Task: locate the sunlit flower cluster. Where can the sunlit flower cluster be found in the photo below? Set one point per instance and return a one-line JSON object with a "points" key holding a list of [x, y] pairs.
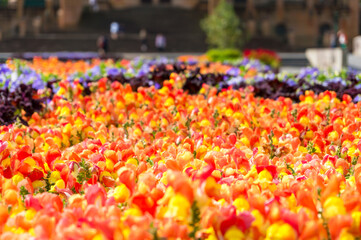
{"points": [[161, 163]]}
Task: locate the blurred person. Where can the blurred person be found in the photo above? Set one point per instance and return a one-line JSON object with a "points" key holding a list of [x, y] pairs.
{"points": [[342, 41], [291, 38], [102, 44], [342, 38], [143, 40], [333, 39], [94, 5], [114, 30], [326, 39], [160, 42], [121, 30], [37, 22]]}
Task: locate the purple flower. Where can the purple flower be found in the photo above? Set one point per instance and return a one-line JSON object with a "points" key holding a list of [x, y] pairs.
{"points": [[258, 79], [38, 84], [245, 61], [233, 72], [235, 81], [270, 76], [291, 83], [357, 98], [157, 85]]}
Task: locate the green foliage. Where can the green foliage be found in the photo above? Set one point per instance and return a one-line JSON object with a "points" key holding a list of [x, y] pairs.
{"points": [[196, 217], [47, 183], [84, 172], [222, 27], [310, 148], [154, 231], [272, 147], [351, 171], [23, 193], [128, 125], [150, 161], [328, 109], [291, 169], [221, 55], [294, 114], [215, 117]]}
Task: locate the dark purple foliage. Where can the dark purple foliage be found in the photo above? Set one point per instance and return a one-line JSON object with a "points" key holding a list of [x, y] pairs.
{"points": [[22, 99]]}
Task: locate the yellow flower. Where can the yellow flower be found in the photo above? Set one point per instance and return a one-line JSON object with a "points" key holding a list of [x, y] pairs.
{"points": [[304, 121], [258, 219], [132, 161], [163, 91], [280, 231], [133, 211], [60, 183], [17, 178], [121, 193], [346, 235], [356, 220], [186, 156], [129, 98], [109, 165], [178, 207], [333, 136], [54, 177], [99, 237], [241, 204], [65, 111], [30, 214], [137, 132], [67, 129], [205, 123], [169, 102], [265, 175], [212, 234], [229, 112], [245, 141], [6, 162], [333, 206], [38, 184], [211, 186], [234, 233], [308, 99]]}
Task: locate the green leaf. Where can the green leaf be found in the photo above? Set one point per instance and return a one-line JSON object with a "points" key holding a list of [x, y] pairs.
{"points": [[222, 27], [84, 173], [196, 217]]}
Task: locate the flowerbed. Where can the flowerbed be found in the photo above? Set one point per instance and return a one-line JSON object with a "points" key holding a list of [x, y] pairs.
{"points": [[146, 150]]}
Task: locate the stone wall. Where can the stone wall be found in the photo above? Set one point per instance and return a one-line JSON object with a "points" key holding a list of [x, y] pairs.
{"points": [[69, 13], [119, 4], [304, 26], [124, 3]]}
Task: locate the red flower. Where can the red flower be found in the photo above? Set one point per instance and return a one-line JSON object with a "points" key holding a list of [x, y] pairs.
{"points": [[243, 220], [51, 156], [95, 194]]}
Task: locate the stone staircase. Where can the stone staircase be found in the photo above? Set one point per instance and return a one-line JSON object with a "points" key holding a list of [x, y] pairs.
{"points": [[180, 26], [6, 21]]}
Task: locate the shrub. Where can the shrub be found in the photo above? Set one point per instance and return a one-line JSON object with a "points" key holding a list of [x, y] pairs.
{"points": [[266, 56], [222, 27], [222, 55]]}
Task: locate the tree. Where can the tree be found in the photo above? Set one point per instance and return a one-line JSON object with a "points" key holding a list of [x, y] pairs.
{"points": [[222, 27]]}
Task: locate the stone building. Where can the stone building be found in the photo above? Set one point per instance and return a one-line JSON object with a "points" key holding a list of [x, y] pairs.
{"points": [[297, 23], [300, 23]]}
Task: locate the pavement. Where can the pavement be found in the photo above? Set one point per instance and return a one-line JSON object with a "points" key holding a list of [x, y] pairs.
{"points": [[290, 62], [354, 61]]}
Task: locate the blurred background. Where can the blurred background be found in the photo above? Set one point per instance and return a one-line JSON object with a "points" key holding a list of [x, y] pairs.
{"points": [[69, 25]]}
